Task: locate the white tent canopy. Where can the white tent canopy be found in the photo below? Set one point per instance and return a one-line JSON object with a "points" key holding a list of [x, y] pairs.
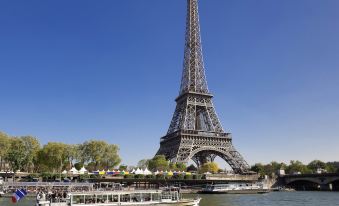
{"points": [[147, 172], [74, 171], [139, 172], [83, 170]]}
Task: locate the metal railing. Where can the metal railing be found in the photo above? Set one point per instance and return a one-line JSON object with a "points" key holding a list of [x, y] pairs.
{"points": [[46, 184]]}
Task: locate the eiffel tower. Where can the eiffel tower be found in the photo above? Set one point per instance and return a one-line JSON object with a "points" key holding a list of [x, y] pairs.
{"points": [[195, 131]]}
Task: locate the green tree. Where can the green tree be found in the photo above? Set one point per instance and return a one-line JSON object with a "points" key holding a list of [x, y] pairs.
{"points": [[123, 167], [272, 168], [276, 166], [40, 165], [91, 166], [330, 168], [16, 154], [4, 147], [78, 165], [177, 166], [172, 166], [192, 168], [93, 151], [315, 165], [32, 147], [111, 157], [297, 166], [181, 166], [259, 168], [72, 154], [159, 162], [54, 156], [283, 166], [143, 163], [211, 167], [102, 154]]}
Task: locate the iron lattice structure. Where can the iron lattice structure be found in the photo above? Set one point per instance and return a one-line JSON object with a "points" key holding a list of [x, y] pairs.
{"points": [[195, 131]]}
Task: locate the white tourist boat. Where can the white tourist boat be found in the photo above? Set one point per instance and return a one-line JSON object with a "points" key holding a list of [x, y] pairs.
{"points": [[121, 197], [236, 188]]}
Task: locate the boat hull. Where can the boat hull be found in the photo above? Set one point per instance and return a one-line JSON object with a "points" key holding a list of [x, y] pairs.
{"points": [[174, 203], [181, 203]]}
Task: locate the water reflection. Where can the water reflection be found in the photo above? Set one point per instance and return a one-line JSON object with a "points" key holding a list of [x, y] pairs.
{"points": [[270, 199], [273, 199]]}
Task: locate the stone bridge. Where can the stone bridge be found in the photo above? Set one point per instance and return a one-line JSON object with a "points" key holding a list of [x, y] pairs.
{"points": [[326, 181]]}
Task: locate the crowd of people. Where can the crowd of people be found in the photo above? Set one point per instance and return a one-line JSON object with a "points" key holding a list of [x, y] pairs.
{"points": [[54, 195]]}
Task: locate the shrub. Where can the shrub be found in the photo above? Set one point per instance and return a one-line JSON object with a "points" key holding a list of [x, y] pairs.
{"points": [[150, 177], [160, 177], [34, 175], [129, 176], [179, 177], [139, 176], [94, 176], [84, 176], [46, 176]]}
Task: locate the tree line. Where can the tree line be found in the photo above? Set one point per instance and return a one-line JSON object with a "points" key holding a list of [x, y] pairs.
{"points": [[25, 153], [159, 163], [296, 166]]}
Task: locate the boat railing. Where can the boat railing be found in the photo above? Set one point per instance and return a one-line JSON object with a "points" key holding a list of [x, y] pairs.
{"points": [[47, 184], [170, 195]]}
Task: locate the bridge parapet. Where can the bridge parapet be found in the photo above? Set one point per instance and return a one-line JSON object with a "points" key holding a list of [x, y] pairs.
{"points": [[321, 179]]}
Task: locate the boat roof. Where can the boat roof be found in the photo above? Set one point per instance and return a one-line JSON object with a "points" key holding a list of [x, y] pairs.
{"points": [[115, 192]]}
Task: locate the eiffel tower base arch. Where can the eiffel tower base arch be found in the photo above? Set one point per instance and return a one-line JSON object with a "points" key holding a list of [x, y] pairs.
{"points": [[202, 149]]}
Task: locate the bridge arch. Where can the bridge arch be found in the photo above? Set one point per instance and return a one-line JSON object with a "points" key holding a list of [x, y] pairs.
{"points": [[336, 179], [304, 184]]}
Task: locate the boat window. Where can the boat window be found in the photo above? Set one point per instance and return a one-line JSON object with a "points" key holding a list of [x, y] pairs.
{"points": [[146, 197], [89, 199], [174, 195], [113, 198], [168, 195], [101, 198], [136, 197], [155, 196], [125, 198], [76, 199]]}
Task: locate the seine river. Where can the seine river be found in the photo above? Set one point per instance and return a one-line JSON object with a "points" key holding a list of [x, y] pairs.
{"points": [[271, 199]]}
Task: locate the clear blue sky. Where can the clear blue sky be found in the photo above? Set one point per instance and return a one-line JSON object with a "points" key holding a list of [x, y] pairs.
{"points": [[75, 70]]}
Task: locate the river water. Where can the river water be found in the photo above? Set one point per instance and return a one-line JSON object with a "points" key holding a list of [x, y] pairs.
{"points": [[270, 199]]}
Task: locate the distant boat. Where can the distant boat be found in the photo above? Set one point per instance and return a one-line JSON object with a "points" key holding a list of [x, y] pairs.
{"points": [[235, 188]]}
